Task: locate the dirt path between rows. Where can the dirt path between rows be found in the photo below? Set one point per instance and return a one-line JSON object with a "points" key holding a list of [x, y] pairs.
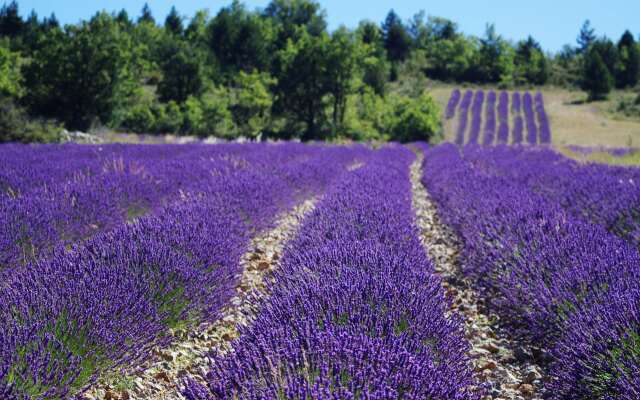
{"points": [[161, 378], [504, 368]]}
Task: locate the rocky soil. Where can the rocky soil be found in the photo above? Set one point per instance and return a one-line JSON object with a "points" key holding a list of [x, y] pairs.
{"points": [[505, 368], [160, 378]]}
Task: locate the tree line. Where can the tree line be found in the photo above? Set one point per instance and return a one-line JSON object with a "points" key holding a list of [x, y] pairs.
{"points": [[275, 72]]}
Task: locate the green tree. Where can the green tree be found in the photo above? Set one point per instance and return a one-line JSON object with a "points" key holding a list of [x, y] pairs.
{"points": [[396, 38], [290, 15], [586, 36], [241, 41], [196, 32], [173, 23], [628, 69], [10, 74], [530, 63], [11, 23], [373, 58], [495, 58], [146, 15], [449, 59], [342, 73], [251, 103], [83, 74], [416, 119], [596, 79], [182, 72], [301, 87]]}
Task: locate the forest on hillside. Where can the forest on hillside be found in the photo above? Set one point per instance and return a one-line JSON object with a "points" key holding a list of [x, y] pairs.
{"points": [[276, 72]]}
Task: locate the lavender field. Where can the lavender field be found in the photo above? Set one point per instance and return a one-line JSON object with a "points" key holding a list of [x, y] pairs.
{"points": [[490, 270], [491, 117]]}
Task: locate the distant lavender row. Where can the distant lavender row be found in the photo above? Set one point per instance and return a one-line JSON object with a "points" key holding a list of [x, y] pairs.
{"points": [[543, 120], [554, 277], [476, 116], [464, 116], [525, 112], [108, 301], [490, 118], [503, 117], [354, 312], [453, 103], [529, 117]]}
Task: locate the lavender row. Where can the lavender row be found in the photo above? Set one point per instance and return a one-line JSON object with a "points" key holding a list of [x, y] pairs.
{"points": [[464, 116], [543, 120], [556, 279], [503, 117], [476, 116], [107, 302], [529, 117], [354, 311], [490, 119], [140, 180], [605, 195], [453, 103]]}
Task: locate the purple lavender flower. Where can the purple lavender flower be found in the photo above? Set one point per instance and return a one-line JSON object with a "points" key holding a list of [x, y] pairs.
{"points": [[453, 103]]}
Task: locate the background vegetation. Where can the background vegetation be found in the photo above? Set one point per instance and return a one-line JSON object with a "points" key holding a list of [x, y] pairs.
{"points": [[276, 72]]}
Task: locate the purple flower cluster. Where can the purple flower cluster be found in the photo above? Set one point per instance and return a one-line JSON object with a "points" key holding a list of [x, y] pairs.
{"points": [[355, 310], [464, 116], [452, 104], [543, 120], [107, 301], [476, 116], [503, 117], [530, 119], [544, 254], [490, 119]]}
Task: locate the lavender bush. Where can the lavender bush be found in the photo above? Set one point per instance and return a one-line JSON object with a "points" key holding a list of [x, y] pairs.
{"points": [[107, 301], [354, 312], [544, 258]]}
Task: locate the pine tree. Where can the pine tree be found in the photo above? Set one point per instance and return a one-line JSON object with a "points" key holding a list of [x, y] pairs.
{"points": [[628, 68], [596, 80], [396, 38], [146, 15], [586, 37], [173, 23], [10, 21]]}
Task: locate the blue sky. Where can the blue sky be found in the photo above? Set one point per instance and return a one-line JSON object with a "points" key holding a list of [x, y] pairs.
{"points": [[552, 22]]}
